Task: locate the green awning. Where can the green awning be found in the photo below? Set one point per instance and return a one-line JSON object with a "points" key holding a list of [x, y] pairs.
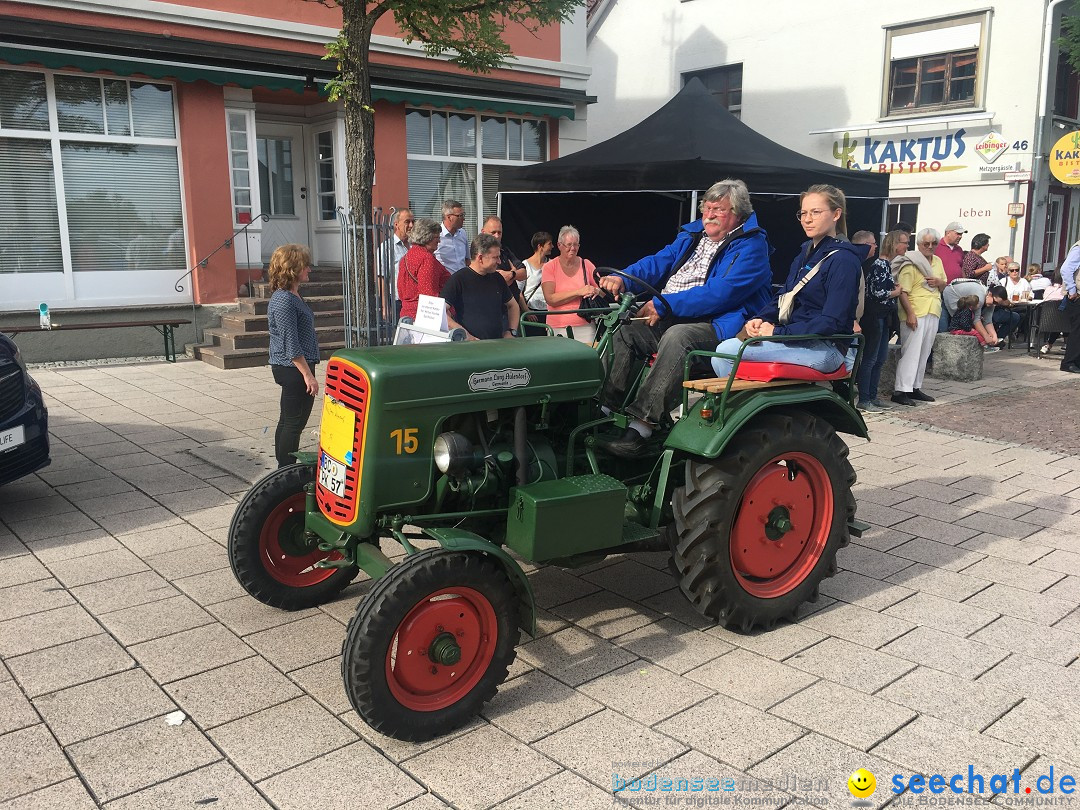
{"points": [[154, 68], [467, 102], [59, 59]]}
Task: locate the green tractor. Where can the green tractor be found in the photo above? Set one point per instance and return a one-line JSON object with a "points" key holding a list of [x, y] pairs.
{"points": [[490, 449]]}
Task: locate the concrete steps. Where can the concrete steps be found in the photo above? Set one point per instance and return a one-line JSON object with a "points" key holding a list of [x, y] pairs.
{"points": [[247, 358], [243, 339]]}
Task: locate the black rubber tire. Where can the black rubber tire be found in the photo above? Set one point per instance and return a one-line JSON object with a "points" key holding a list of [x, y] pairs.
{"points": [[707, 505], [252, 513], [373, 627]]}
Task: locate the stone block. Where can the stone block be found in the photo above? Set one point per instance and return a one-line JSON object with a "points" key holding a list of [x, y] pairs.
{"points": [[957, 357]]}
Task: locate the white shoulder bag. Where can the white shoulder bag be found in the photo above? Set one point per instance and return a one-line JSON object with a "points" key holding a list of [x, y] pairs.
{"points": [[786, 302]]}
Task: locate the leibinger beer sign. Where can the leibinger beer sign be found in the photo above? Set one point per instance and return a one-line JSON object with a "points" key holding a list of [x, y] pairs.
{"points": [[1065, 159]]}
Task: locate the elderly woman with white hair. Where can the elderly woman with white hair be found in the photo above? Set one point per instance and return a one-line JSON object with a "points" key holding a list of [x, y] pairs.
{"points": [[921, 277]]}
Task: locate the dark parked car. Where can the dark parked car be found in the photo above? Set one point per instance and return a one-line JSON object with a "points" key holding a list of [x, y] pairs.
{"points": [[24, 419]]}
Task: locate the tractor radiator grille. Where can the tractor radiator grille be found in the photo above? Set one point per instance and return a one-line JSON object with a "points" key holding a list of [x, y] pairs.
{"points": [[348, 384]]}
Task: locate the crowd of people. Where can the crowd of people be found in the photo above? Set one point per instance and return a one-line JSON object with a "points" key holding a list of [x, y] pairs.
{"points": [[710, 289]]}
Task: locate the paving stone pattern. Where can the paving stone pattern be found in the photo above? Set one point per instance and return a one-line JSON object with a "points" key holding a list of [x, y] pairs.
{"points": [[950, 636]]}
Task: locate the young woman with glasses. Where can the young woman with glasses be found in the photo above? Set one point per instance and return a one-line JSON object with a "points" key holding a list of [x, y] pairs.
{"points": [[825, 305]]}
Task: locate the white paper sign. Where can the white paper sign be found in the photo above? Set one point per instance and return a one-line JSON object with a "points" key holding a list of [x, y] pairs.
{"points": [[431, 313]]}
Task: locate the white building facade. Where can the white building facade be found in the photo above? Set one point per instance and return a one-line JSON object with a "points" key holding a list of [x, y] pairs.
{"points": [[960, 102]]}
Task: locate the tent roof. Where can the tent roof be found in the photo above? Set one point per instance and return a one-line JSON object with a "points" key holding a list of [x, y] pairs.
{"points": [[689, 143]]}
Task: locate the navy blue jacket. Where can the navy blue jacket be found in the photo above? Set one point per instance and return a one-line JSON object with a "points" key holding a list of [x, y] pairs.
{"points": [[826, 305], [737, 283]]}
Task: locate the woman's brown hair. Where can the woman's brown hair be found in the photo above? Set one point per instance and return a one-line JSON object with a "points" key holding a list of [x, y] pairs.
{"points": [[286, 265], [836, 201], [890, 242]]}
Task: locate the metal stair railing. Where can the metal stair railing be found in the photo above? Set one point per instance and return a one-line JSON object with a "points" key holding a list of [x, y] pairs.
{"points": [[369, 278], [205, 262]]}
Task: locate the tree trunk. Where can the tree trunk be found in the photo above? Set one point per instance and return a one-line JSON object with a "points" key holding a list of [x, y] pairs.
{"points": [[356, 27]]}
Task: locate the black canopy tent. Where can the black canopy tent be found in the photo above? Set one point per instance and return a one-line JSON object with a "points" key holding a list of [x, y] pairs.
{"points": [[629, 194]]}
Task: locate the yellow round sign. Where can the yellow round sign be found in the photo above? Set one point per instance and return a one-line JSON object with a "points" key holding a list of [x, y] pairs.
{"points": [[1065, 159]]}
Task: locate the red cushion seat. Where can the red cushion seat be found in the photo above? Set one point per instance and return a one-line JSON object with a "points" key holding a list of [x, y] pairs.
{"points": [[767, 372]]}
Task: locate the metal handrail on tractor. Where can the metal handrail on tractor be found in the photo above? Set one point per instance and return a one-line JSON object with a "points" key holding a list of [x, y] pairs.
{"points": [[737, 357], [205, 262]]}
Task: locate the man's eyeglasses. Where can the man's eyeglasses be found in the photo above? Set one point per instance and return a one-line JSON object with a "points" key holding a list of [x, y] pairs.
{"points": [[709, 209], [928, 244], [817, 212]]}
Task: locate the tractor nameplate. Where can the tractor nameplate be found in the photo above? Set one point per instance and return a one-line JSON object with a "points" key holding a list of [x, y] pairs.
{"points": [[499, 379]]}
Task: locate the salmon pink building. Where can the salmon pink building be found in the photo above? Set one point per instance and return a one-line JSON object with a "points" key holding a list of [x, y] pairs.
{"points": [[136, 137]]}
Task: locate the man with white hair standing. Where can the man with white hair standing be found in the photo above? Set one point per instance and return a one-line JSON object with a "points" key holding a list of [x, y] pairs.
{"points": [[453, 249]]}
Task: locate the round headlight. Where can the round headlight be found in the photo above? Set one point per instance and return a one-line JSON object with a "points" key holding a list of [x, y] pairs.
{"points": [[453, 452]]}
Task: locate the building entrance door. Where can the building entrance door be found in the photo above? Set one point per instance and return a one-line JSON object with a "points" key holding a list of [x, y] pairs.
{"points": [[283, 185]]}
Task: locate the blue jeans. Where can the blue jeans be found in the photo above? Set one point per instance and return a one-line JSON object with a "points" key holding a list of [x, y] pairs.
{"points": [[1005, 321], [819, 355], [943, 321], [875, 330]]}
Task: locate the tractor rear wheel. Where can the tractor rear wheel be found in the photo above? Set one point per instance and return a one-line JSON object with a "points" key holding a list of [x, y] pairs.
{"points": [[430, 644], [757, 529], [269, 551]]}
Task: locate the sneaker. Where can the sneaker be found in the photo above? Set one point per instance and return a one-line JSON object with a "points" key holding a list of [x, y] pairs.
{"points": [[1045, 349], [917, 394], [885, 406], [901, 398], [989, 349], [868, 407]]}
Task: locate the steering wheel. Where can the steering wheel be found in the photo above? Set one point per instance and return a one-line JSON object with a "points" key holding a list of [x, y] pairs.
{"points": [[641, 297]]}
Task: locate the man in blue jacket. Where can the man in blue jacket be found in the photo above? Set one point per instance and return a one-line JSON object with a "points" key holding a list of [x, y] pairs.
{"points": [[714, 276]]}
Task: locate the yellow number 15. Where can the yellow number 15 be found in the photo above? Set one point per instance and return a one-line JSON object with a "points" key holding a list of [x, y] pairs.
{"points": [[407, 441]]}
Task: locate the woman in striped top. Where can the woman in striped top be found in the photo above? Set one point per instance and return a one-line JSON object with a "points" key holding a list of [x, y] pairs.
{"points": [[294, 347]]}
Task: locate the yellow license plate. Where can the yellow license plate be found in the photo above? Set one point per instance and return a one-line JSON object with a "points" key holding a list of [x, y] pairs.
{"points": [[336, 433]]}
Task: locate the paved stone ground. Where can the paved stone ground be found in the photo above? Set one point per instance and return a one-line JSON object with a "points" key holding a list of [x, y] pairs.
{"points": [[949, 638]]}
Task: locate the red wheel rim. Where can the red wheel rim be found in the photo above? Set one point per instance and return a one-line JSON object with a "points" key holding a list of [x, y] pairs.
{"points": [[418, 681], [285, 554], [793, 485]]}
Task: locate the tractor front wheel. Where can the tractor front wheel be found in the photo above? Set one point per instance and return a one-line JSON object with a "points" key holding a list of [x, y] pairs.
{"points": [[757, 529], [271, 555], [430, 644]]}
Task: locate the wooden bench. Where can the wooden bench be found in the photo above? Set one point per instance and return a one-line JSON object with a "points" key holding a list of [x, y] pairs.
{"points": [[715, 385], [163, 327]]}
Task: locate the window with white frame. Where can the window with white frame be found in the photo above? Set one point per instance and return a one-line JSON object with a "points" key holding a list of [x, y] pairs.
{"points": [[936, 65], [459, 156], [324, 166], [239, 130], [101, 151]]}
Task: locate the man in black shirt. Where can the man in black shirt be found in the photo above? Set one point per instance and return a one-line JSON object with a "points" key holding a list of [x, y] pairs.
{"points": [[479, 294]]}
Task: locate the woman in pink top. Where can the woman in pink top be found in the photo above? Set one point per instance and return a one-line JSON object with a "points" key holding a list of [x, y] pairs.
{"points": [[565, 281]]}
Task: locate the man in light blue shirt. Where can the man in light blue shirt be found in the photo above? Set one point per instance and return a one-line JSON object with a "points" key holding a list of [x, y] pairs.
{"points": [[1071, 361], [453, 249]]}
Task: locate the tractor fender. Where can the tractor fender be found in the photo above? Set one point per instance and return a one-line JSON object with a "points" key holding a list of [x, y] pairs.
{"points": [[461, 540], [707, 438]]}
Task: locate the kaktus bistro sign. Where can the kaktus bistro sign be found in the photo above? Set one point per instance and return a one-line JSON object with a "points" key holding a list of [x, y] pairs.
{"points": [[924, 155], [1065, 159]]}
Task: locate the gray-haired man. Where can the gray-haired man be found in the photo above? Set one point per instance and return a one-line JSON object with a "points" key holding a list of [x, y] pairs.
{"points": [[713, 277]]}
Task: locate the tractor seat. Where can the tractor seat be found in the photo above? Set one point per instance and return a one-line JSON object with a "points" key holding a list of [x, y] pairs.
{"points": [[767, 372]]}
